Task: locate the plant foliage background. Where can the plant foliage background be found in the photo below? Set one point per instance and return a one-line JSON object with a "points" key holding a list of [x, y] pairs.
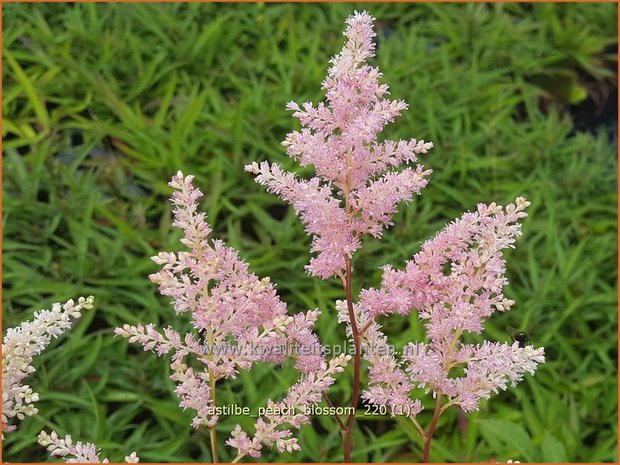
{"points": [[103, 103]]}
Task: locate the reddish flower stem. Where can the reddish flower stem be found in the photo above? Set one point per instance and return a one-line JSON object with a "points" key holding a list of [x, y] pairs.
{"points": [[357, 365], [428, 437], [355, 333]]}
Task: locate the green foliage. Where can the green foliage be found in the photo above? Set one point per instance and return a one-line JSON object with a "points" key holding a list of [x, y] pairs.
{"points": [[103, 103]]}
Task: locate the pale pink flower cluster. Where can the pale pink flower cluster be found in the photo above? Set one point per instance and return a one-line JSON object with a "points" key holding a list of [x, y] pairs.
{"points": [[454, 283], [290, 411], [19, 347], [240, 320], [75, 453], [356, 191], [388, 384]]}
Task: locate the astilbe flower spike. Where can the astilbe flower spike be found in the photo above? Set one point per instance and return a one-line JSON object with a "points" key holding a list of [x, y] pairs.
{"points": [[454, 283], [75, 453], [241, 321], [355, 191], [19, 347], [358, 183]]}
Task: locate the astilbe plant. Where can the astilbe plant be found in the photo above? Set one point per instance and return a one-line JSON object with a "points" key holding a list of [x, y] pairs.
{"points": [[239, 320], [453, 283], [20, 345]]}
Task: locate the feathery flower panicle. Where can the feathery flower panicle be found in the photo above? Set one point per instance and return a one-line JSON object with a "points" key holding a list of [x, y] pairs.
{"points": [[454, 283], [75, 453], [19, 347], [356, 190], [240, 320]]}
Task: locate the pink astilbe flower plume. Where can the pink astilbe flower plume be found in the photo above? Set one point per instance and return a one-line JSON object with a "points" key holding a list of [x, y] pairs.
{"points": [[454, 283], [239, 318], [355, 191]]}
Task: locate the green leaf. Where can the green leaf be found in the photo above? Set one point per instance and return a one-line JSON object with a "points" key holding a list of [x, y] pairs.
{"points": [[553, 450], [35, 100], [511, 436]]}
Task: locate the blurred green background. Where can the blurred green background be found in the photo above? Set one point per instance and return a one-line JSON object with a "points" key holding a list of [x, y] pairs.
{"points": [[103, 103]]}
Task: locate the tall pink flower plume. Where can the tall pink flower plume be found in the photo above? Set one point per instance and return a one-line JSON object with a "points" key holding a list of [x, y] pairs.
{"points": [[239, 320], [355, 191]]}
